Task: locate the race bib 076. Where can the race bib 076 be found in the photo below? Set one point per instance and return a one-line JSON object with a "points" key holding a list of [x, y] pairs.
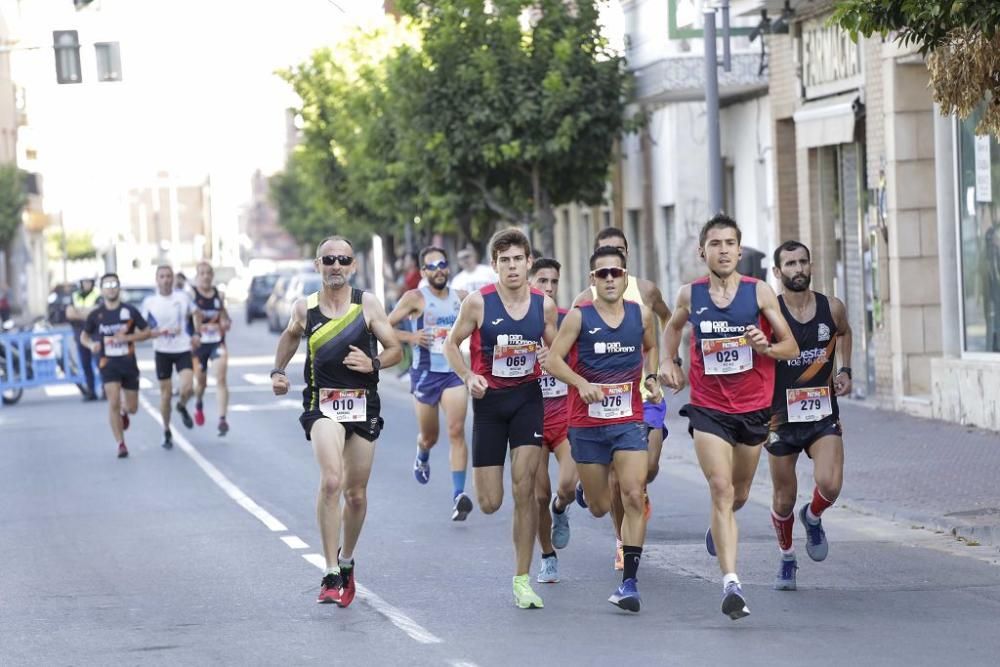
{"points": [[808, 404], [726, 356], [617, 402], [343, 405]]}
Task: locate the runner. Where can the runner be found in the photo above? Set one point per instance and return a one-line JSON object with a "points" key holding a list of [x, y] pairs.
{"points": [[732, 381], [553, 509], [211, 322], [340, 401], [805, 413], [654, 414], [111, 331], [433, 310], [612, 347], [167, 313], [507, 322]]}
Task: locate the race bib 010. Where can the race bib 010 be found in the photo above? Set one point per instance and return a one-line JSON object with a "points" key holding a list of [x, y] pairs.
{"points": [[808, 404], [552, 387], [514, 361], [726, 356], [344, 405], [617, 402]]}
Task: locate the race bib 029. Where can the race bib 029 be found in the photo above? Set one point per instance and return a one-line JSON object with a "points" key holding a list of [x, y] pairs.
{"points": [[344, 405], [726, 356]]}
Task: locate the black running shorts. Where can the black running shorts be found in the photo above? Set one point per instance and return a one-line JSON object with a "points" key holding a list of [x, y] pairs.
{"points": [[122, 370], [792, 438], [368, 429], [513, 415], [747, 428], [166, 362]]}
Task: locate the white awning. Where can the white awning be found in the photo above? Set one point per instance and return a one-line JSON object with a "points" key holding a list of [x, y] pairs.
{"points": [[826, 122]]}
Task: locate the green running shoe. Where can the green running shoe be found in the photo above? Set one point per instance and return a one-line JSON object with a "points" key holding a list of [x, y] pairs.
{"points": [[524, 597]]}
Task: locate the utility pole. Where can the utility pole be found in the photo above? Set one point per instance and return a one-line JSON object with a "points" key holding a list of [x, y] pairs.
{"points": [[715, 180]]}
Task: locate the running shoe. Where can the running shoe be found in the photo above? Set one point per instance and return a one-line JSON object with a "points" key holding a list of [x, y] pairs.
{"points": [[422, 470], [125, 421], [580, 500], [709, 542], [816, 545], [619, 556], [462, 508], [549, 572], [223, 426], [626, 596], [168, 440], [524, 596], [734, 605], [185, 415], [122, 450], [785, 581], [347, 589], [329, 590], [560, 525], [199, 415]]}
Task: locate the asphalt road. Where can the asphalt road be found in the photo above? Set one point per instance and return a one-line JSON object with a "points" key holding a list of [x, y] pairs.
{"points": [[206, 555]]}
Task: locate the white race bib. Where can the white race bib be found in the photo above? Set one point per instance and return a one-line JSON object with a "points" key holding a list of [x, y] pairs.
{"points": [[726, 356], [808, 404], [211, 333], [437, 343], [617, 402], [552, 387], [344, 405], [114, 348], [514, 361]]}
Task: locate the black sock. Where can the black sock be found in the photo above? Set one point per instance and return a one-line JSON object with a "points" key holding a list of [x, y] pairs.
{"points": [[555, 507], [632, 556], [550, 555]]}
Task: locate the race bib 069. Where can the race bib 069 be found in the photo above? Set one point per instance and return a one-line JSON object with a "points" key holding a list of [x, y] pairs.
{"points": [[617, 402], [726, 356], [808, 404], [514, 361], [343, 405]]}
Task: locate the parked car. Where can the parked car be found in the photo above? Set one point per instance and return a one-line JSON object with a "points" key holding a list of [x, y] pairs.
{"points": [[271, 305], [134, 294], [291, 288], [258, 294]]}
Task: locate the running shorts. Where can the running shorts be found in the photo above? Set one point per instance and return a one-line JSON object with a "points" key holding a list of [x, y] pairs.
{"points": [[166, 362], [428, 386], [747, 428], [598, 444], [792, 438], [513, 415]]}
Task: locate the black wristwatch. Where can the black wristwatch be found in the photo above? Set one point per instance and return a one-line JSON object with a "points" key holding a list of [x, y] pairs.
{"points": [[376, 364], [278, 371], [846, 371], [651, 375], [679, 362]]}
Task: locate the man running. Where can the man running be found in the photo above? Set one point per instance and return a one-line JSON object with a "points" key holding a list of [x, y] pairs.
{"points": [[111, 331], [612, 347], [732, 381], [340, 401], [508, 322], [654, 413], [553, 509], [805, 414], [167, 313], [211, 322], [433, 310]]}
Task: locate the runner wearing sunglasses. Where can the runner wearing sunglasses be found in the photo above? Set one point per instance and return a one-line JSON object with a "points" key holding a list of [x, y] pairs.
{"points": [[431, 312], [341, 405]]}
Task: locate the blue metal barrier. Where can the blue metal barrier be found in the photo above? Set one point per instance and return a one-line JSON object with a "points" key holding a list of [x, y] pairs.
{"points": [[38, 358]]}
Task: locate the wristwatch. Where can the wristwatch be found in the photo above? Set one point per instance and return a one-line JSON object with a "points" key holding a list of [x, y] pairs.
{"points": [[376, 364], [679, 362], [846, 371]]}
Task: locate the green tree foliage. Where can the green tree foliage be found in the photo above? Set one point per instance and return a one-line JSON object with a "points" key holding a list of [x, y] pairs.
{"points": [[79, 245], [12, 202], [959, 37]]}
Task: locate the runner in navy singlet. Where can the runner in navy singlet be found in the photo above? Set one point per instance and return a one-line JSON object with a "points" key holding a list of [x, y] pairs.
{"points": [[732, 381], [805, 413], [211, 322], [507, 322]]}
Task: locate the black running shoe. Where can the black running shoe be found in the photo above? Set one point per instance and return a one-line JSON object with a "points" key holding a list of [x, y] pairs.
{"points": [[168, 440], [223, 426], [185, 416]]}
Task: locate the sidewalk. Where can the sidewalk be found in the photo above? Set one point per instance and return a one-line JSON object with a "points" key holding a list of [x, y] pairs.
{"points": [[921, 472]]}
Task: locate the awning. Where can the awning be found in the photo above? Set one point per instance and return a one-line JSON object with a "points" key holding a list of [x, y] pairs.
{"points": [[826, 122]]}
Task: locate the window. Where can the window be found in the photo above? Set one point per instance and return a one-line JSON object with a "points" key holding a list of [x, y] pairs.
{"points": [[109, 61], [67, 47], [979, 237]]}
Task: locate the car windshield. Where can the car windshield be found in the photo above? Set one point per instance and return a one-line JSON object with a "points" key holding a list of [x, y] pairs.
{"points": [[263, 284], [311, 284]]}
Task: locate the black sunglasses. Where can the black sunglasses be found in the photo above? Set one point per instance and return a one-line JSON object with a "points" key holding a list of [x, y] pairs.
{"points": [[343, 260], [613, 271], [440, 264]]}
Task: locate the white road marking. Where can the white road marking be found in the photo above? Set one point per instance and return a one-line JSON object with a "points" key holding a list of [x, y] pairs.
{"points": [[462, 663], [257, 378], [294, 542], [233, 491], [61, 390], [236, 362], [283, 404]]}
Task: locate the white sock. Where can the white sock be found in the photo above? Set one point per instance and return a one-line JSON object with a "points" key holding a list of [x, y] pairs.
{"points": [[332, 570], [729, 578], [788, 554], [345, 563], [810, 517]]}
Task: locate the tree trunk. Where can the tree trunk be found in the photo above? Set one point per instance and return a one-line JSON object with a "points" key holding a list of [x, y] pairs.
{"points": [[545, 218]]}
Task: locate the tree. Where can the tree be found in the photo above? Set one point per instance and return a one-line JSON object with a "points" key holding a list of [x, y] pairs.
{"points": [[12, 202], [959, 37]]}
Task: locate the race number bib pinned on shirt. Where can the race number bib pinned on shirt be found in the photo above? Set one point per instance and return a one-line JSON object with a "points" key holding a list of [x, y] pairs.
{"points": [[437, 343], [344, 405], [114, 347], [726, 356], [552, 387], [513, 360], [210, 333], [808, 404], [617, 402]]}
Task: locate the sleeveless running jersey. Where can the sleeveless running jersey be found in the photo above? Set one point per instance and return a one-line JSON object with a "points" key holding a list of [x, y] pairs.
{"points": [[329, 341], [612, 358], [211, 311], [504, 350], [555, 392], [439, 315], [726, 374], [632, 293], [803, 387]]}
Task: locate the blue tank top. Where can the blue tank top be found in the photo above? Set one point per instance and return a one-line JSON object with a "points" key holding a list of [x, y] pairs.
{"points": [[504, 350], [439, 315]]}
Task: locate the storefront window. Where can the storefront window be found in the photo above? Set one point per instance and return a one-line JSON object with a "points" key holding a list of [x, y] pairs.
{"points": [[979, 223]]}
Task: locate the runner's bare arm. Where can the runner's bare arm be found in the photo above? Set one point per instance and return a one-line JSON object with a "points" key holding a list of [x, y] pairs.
{"points": [[410, 304], [551, 321], [653, 298], [785, 348], [556, 365], [378, 324], [470, 316], [672, 375], [651, 354], [462, 294], [288, 343], [845, 345]]}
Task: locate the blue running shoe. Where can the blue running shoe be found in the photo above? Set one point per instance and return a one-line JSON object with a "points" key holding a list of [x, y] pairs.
{"points": [[816, 545], [734, 605], [580, 500], [627, 596], [785, 581], [709, 542], [548, 573], [422, 470], [560, 525]]}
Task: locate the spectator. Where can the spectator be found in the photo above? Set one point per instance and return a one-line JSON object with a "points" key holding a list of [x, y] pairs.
{"points": [[411, 272], [473, 274]]}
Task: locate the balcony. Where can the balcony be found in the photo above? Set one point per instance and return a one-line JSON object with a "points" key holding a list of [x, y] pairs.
{"points": [[681, 78]]}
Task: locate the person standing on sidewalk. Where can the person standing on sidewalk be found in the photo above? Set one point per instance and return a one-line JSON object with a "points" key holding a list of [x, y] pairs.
{"points": [[732, 383], [805, 416], [341, 406], [84, 301]]}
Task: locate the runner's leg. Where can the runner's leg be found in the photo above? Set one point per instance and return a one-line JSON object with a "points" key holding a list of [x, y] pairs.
{"points": [[113, 390], [543, 496], [828, 469], [632, 468], [455, 402], [327, 438], [358, 457], [715, 456], [524, 465], [655, 442], [594, 477], [186, 377], [566, 489], [166, 390], [222, 385]]}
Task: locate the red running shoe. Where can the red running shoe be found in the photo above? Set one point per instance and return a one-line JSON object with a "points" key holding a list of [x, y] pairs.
{"points": [[125, 421], [199, 415], [329, 591], [348, 590], [122, 450]]}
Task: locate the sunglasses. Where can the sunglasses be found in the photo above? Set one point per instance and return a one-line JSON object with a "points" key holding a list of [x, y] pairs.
{"points": [[613, 271], [343, 260], [110, 284], [436, 266]]}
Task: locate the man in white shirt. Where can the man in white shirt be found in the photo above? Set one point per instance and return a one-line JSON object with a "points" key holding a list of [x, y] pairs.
{"points": [[473, 274], [168, 313]]}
